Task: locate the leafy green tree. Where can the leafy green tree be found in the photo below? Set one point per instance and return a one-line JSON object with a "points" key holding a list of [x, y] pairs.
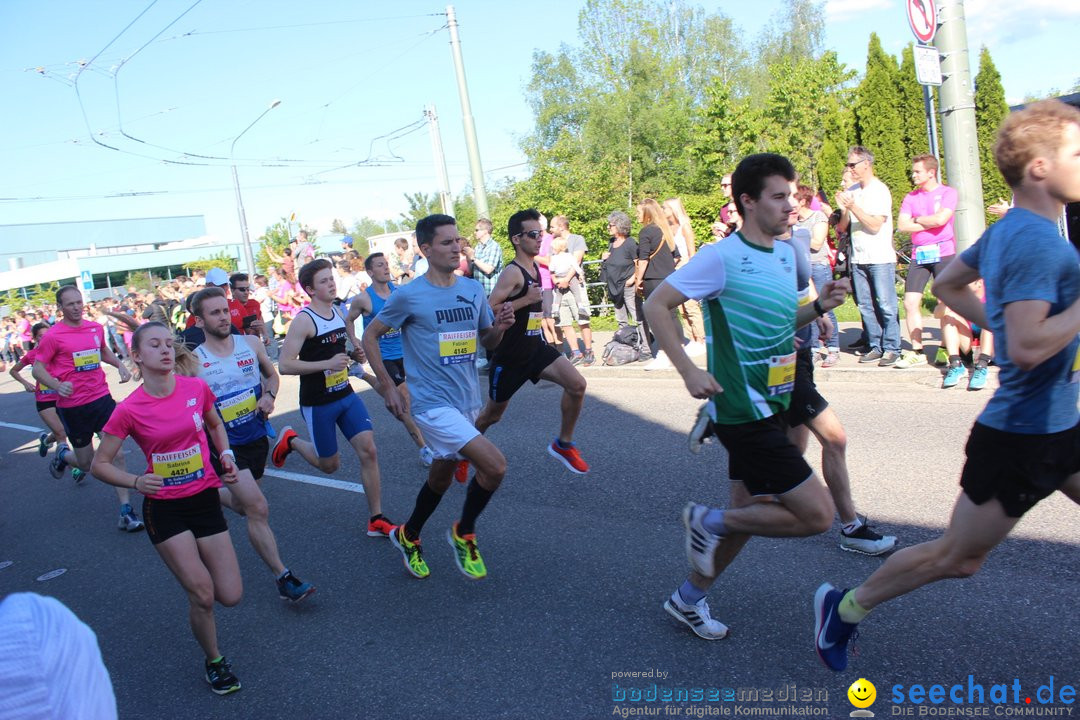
{"points": [[420, 206], [990, 111], [878, 125], [276, 238], [338, 227]]}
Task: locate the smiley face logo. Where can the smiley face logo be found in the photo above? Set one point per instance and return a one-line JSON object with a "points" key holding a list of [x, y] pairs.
{"points": [[862, 693]]}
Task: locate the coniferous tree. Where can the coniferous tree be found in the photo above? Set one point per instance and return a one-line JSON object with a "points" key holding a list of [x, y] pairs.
{"points": [[912, 107], [878, 125], [990, 111]]}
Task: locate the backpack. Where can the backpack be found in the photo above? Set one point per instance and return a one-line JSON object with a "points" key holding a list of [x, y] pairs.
{"points": [[627, 335], [617, 353]]}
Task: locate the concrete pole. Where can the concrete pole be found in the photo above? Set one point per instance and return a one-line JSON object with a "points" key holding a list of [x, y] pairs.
{"points": [[477, 172], [440, 159], [958, 123]]}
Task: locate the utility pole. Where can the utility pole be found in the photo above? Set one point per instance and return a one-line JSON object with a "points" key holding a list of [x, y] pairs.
{"points": [[479, 194], [440, 159], [958, 123]]}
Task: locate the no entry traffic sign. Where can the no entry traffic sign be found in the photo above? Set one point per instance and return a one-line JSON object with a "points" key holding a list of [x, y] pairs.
{"points": [[922, 16]]}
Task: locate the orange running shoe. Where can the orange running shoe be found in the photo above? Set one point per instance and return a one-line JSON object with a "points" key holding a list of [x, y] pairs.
{"points": [[281, 447], [568, 456], [461, 472]]}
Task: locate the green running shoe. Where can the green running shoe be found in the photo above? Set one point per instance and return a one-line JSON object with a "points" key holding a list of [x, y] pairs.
{"points": [[941, 359], [466, 555], [411, 552]]}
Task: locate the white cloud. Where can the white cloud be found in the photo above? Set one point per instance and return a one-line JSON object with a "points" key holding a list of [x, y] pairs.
{"points": [[841, 10], [992, 22]]}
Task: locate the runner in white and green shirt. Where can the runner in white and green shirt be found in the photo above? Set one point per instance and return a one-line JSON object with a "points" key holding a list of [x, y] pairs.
{"points": [[747, 283]]}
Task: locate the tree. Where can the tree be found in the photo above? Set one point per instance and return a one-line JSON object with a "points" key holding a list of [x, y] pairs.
{"points": [[878, 125], [277, 238], [420, 206], [912, 107], [338, 227], [990, 111]]}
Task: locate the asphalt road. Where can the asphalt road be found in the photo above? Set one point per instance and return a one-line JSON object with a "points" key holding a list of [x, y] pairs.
{"points": [[578, 570]]}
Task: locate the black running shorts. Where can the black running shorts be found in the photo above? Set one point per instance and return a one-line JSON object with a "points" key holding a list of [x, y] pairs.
{"points": [[45, 405], [1018, 470], [806, 401], [81, 422], [248, 457], [505, 380], [762, 458], [395, 369], [200, 514]]}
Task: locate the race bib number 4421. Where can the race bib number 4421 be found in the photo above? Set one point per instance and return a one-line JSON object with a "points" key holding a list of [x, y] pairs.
{"points": [[179, 468], [457, 347]]}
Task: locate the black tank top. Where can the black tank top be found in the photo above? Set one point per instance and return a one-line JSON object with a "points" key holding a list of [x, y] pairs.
{"points": [[324, 387], [522, 339]]}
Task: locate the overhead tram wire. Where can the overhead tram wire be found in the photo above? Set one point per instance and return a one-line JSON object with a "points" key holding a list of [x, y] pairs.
{"points": [[315, 24]]}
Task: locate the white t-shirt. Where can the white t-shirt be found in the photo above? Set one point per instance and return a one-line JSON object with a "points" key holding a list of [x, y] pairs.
{"points": [[873, 248]]}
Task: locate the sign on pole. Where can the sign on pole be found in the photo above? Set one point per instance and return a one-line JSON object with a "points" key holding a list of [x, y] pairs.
{"points": [[922, 16], [927, 65], [86, 280]]}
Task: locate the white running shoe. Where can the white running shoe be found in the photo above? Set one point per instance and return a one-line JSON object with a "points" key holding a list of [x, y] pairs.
{"points": [[694, 348], [700, 543], [660, 362], [426, 456], [696, 617]]}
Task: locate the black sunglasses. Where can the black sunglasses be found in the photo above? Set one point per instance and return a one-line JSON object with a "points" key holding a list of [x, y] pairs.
{"points": [[532, 234]]}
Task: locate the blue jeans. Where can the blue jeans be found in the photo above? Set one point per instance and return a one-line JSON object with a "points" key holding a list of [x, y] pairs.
{"points": [[875, 289], [821, 274]]}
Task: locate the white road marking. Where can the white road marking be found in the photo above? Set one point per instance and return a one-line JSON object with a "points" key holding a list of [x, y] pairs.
{"points": [[313, 480], [50, 575], [17, 426]]}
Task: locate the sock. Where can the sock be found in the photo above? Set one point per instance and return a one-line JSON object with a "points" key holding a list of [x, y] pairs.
{"points": [[125, 509], [690, 594], [284, 574], [426, 502], [714, 522], [476, 499], [216, 660], [954, 360], [375, 517], [852, 526], [563, 445], [849, 610], [983, 360]]}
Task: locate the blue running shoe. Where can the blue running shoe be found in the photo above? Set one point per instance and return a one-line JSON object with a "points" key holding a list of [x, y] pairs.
{"points": [[57, 465], [43, 444], [953, 376], [978, 379], [293, 589], [831, 634], [78, 476]]}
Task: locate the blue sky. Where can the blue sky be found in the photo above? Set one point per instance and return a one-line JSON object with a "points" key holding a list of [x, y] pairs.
{"points": [[171, 85]]}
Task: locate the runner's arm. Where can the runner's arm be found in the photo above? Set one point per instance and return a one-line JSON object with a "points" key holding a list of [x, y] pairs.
{"points": [[103, 468], [271, 382], [391, 395], [110, 357], [42, 375], [832, 296], [491, 336], [215, 430], [658, 312], [300, 329], [508, 283], [16, 373]]}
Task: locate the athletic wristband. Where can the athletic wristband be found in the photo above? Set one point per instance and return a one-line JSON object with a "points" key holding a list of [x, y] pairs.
{"points": [[135, 484], [229, 452], [817, 307]]}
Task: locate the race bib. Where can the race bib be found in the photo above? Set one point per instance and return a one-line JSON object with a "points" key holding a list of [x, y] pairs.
{"points": [[804, 297], [179, 468], [781, 374], [42, 390], [336, 379], [238, 408], [391, 333], [457, 347], [533, 326], [927, 254], [86, 360]]}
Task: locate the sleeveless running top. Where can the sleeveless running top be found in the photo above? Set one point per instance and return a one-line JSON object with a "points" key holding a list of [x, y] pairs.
{"points": [[322, 388], [390, 342], [522, 339], [236, 382]]}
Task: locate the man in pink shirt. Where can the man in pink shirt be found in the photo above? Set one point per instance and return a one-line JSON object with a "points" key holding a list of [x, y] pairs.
{"points": [[69, 361], [927, 214]]}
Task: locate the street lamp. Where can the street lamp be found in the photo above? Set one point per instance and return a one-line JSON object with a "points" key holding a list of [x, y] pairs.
{"points": [[248, 257]]}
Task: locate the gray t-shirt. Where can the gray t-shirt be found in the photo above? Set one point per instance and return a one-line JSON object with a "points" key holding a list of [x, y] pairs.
{"points": [[576, 244], [439, 332], [800, 243]]}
